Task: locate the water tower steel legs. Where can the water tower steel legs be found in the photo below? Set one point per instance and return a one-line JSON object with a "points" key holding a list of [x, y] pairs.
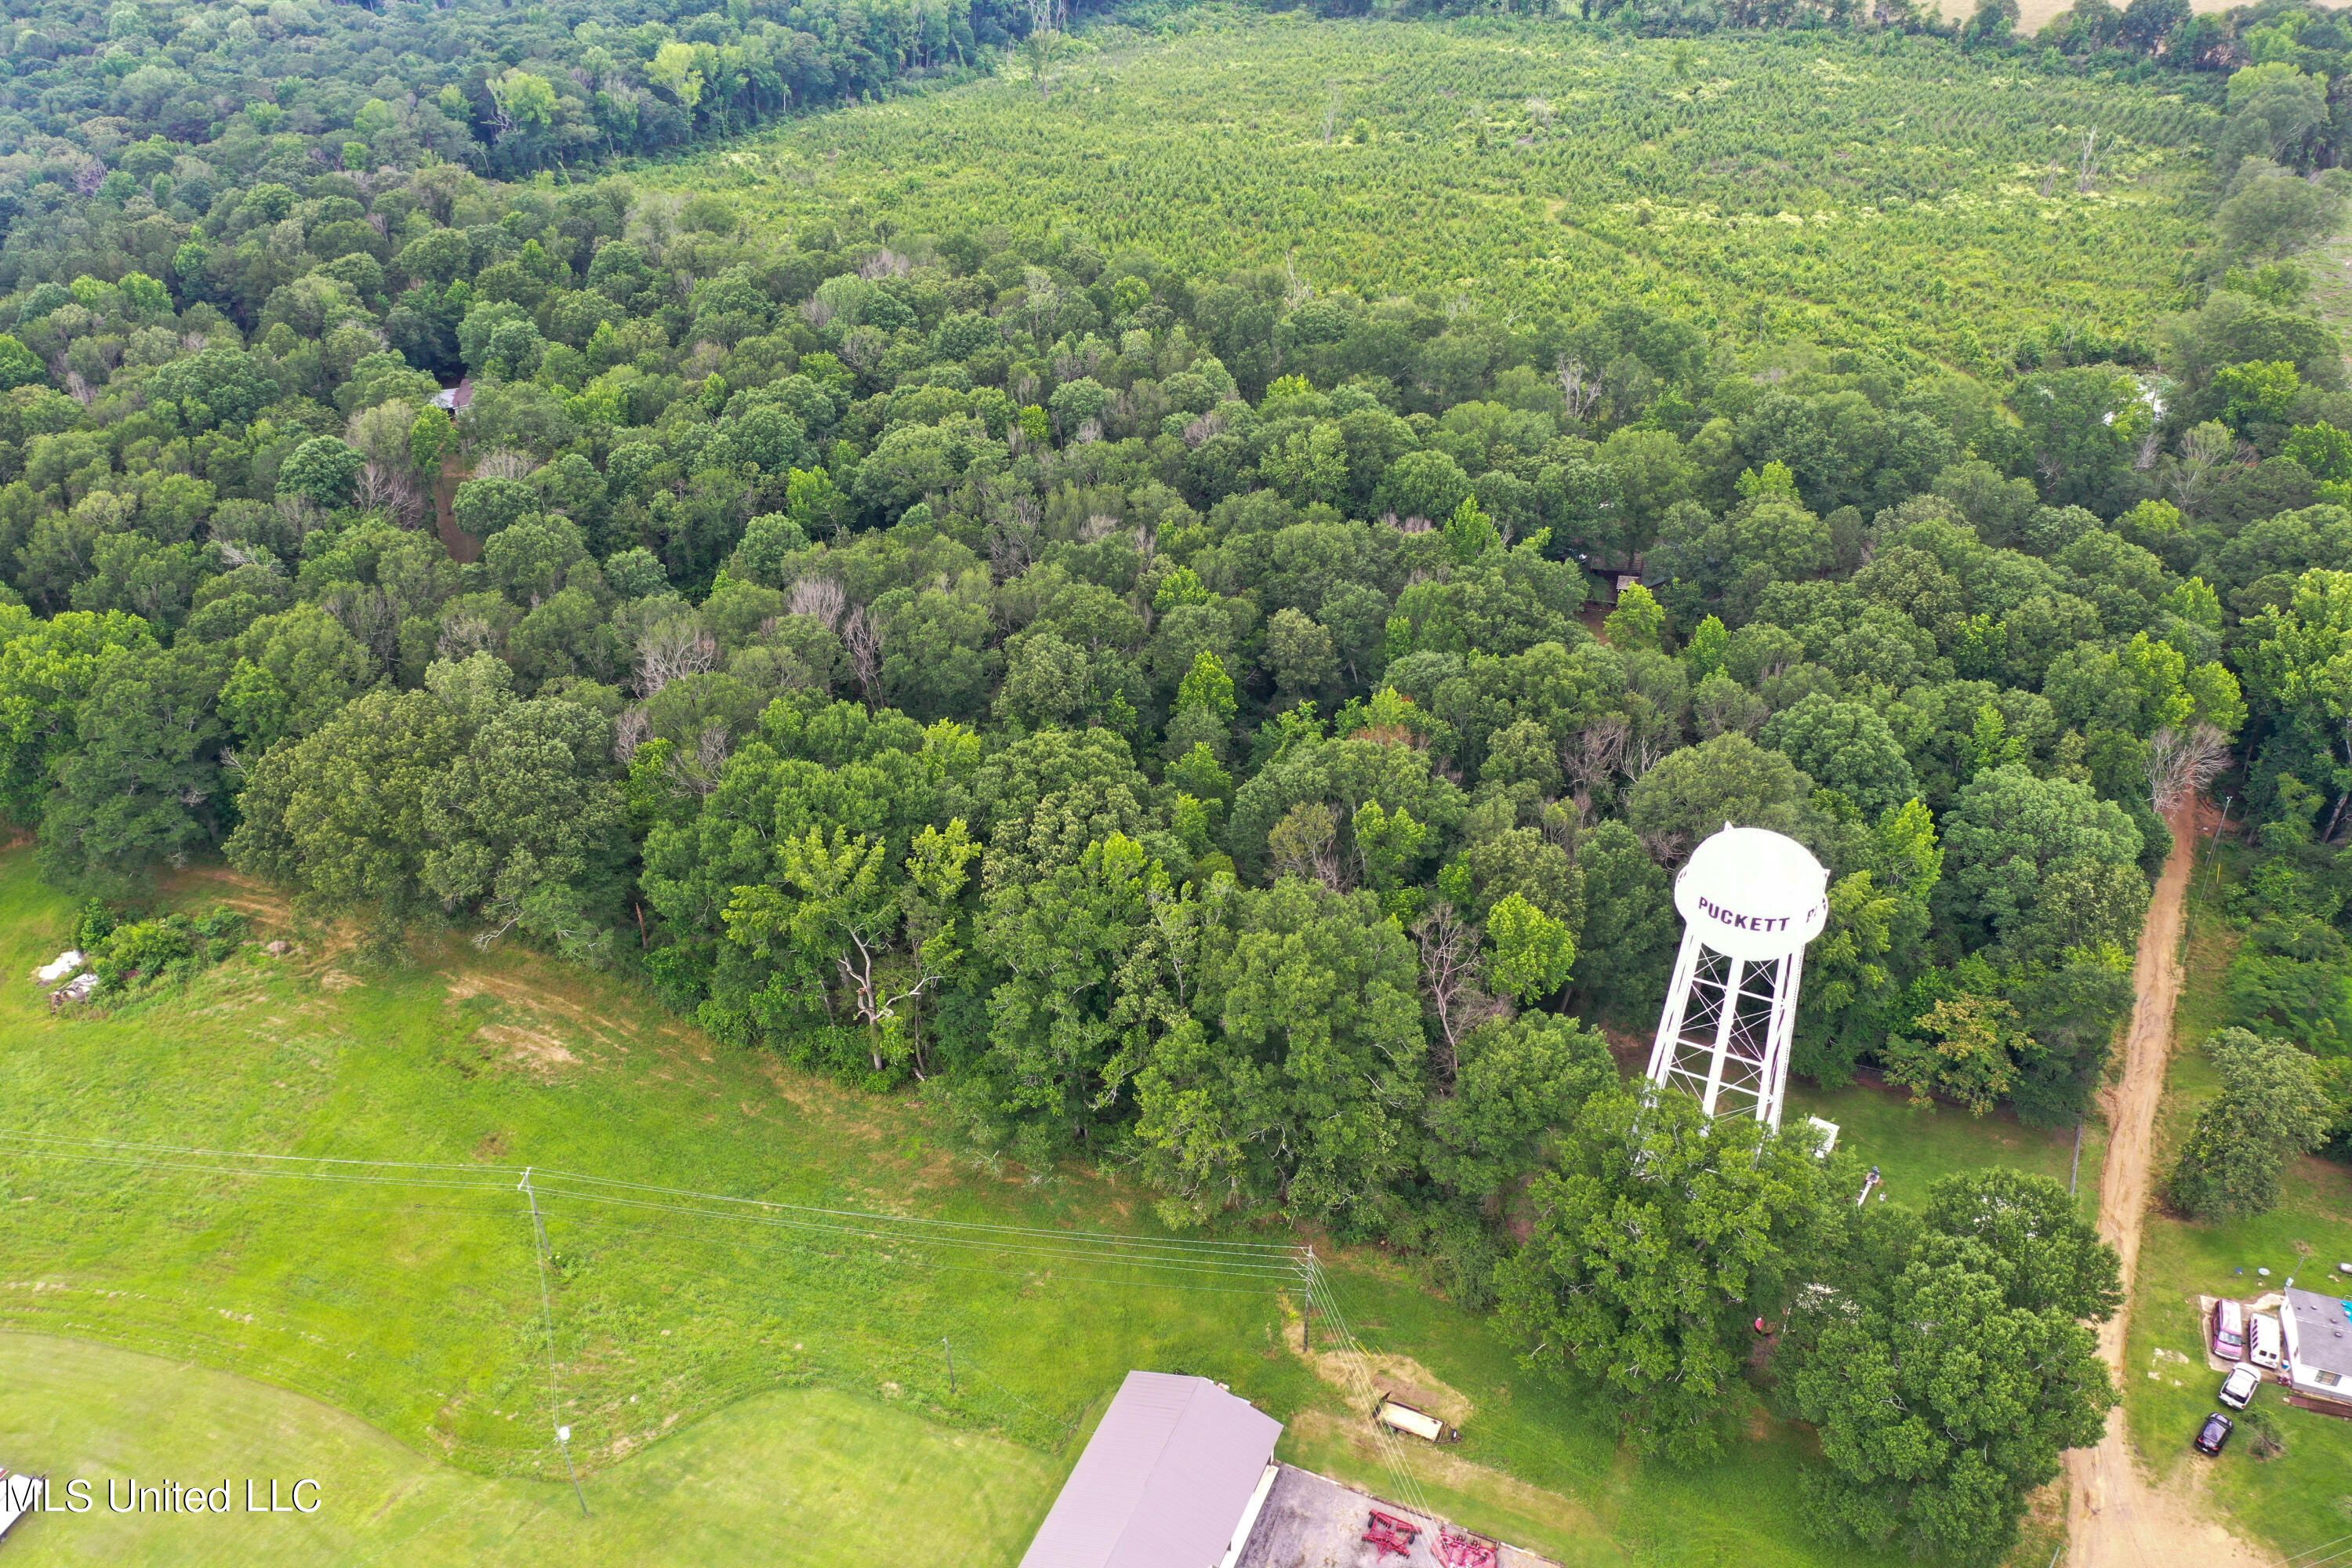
{"points": [[1724, 1033]]}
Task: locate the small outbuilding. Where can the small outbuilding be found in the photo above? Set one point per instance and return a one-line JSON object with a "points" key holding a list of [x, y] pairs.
{"points": [[2318, 1333], [1169, 1479]]}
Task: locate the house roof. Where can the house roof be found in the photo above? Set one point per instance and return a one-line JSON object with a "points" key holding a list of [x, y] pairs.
{"points": [[2323, 1331], [1163, 1481]]}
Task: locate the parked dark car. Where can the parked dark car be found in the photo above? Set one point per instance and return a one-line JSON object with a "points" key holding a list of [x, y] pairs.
{"points": [[2214, 1435]]}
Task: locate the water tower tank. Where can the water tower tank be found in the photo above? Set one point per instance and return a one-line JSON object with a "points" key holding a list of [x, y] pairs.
{"points": [[1750, 900]]}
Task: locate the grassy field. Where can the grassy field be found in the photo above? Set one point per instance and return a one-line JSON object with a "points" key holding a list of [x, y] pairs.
{"points": [[810, 1477], [1801, 184], [721, 1385], [1913, 1146], [2296, 1502]]}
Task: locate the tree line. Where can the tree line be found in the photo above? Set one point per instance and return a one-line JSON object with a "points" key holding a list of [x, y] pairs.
{"points": [[1170, 717]]}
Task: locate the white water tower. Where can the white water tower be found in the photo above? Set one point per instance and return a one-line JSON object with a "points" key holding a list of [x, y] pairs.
{"points": [[1750, 900]]}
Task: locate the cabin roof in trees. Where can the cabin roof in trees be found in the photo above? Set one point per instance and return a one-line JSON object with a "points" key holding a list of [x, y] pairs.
{"points": [[1164, 1482], [455, 399]]}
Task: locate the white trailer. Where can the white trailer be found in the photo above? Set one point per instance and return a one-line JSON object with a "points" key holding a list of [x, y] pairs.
{"points": [[1398, 1417]]}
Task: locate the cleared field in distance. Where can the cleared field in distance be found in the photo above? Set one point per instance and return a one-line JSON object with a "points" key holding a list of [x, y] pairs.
{"points": [[1900, 195]]}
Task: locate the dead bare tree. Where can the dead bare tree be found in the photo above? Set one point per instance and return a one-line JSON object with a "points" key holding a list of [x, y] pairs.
{"points": [[864, 639], [2182, 762], [1451, 969], [677, 648], [1016, 525], [504, 463], [1331, 112], [1666, 844], [629, 733], [2090, 169], [1579, 387], [464, 634], [1591, 758], [820, 597], [393, 492]]}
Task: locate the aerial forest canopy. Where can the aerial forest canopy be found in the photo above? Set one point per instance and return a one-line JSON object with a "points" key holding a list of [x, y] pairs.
{"points": [[1232, 715]]}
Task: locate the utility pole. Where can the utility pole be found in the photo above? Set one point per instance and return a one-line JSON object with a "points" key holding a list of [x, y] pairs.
{"points": [[539, 1251], [1306, 1311]]}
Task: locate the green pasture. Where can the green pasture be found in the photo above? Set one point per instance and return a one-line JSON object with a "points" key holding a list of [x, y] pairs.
{"points": [[721, 1380], [808, 1477], [2303, 1497], [1892, 192]]}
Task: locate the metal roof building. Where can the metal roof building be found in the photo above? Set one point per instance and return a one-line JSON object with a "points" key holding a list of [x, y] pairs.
{"points": [[2319, 1343], [1168, 1480]]}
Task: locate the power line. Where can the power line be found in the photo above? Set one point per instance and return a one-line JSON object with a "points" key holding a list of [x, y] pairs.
{"points": [[1269, 1259], [1026, 1274], [538, 1251], [1409, 1490], [1210, 1259]]}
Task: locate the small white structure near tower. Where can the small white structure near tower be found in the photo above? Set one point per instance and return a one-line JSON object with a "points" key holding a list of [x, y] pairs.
{"points": [[1750, 900]]}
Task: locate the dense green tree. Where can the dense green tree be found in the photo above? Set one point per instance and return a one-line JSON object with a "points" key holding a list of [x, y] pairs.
{"points": [[1694, 792], [1846, 747], [2271, 1109], [1953, 1366], [2045, 863], [1290, 1082], [1658, 1235]]}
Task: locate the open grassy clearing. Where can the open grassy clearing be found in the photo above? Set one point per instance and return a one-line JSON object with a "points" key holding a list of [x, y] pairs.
{"points": [[2293, 1502], [1809, 185], [407, 1321], [1913, 1146], [813, 1476]]}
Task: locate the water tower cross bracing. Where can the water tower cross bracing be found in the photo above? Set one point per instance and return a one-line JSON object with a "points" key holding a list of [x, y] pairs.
{"points": [[1750, 900]]}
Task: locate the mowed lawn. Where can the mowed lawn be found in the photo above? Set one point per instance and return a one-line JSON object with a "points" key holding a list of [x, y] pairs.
{"points": [[2294, 1503], [1912, 1145], [807, 1477], [736, 1394]]}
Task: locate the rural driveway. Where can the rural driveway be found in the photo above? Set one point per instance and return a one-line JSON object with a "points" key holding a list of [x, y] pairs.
{"points": [[2116, 1517]]}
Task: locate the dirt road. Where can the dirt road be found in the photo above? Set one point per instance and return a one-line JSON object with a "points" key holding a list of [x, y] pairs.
{"points": [[2116, 1515]]}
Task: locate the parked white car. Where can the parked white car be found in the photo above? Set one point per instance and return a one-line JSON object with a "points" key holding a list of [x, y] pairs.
{"points": [[2239, 1388]]}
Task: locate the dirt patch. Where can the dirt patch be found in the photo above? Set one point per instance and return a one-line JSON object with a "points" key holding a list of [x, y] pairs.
{"points": [[1430, 1464], [336, 980], [528, 1047], [491, 1149], [2116, 1516], [220, 885], [1399, 1376], [463, 547]]}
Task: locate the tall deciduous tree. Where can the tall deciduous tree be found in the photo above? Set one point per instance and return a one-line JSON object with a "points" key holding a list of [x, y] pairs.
{"points": [[1952, 1364], [1658, 1235], [2271, 1108]]}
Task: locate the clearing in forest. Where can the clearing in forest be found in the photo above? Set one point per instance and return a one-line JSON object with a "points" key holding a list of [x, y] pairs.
{"points": [[1889, 193]]}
